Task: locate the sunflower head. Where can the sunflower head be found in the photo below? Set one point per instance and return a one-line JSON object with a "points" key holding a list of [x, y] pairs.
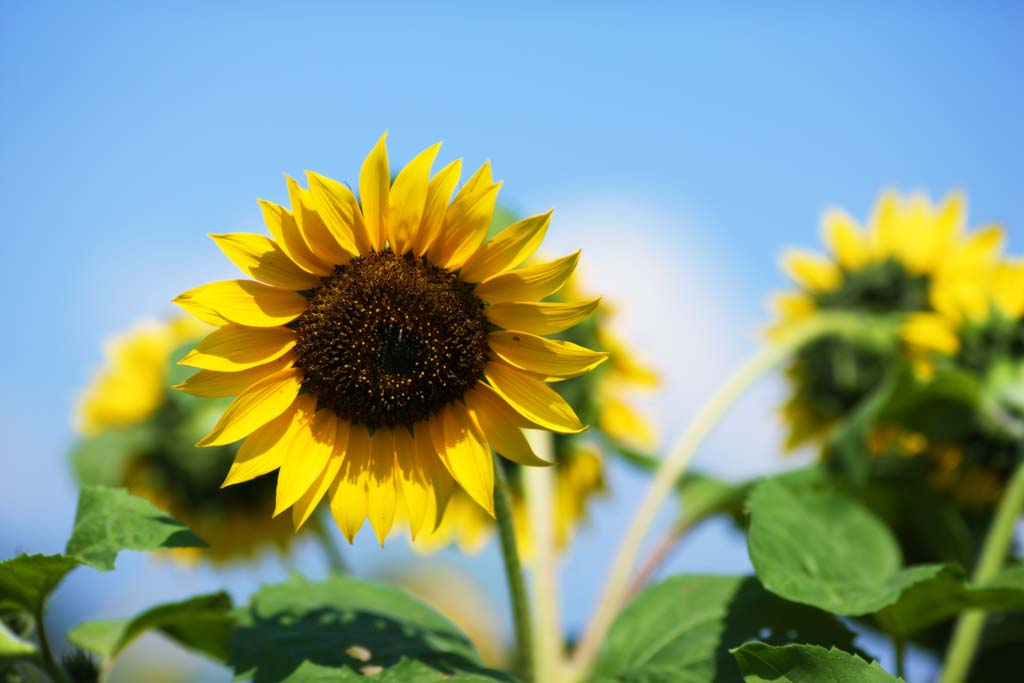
{"points": [[138, 434], [385, 346], [889, 267]]}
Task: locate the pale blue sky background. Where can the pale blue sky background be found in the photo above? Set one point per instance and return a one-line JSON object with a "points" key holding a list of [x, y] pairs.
{"points": [[715, 136]]}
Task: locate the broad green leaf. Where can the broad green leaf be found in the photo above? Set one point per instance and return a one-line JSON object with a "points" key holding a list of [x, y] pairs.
{"points": [[945, 595], [342, 629], [681, 630], [703, 496], [110, 520], [763, 663], [13, 647], [202, 623], [826, 550], [26, 580]]}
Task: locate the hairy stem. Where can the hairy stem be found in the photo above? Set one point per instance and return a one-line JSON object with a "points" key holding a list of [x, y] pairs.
{"points": [[967, 634], [674, 465], [538, 484], [521, 619], [49, 664]]}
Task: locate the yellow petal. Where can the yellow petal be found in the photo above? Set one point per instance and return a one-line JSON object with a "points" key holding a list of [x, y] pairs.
{"points": [[259, 257], [415, 491], [307, 454], [465, 453], [382, 489], [528, 284], [259, 454], [313, 229], [244, 302], [255, 407], [1008, 289], [977, 253], [438, 193], [236, 347], [540, 356], [407, 200], [502, 426], [285, 231], [541, 317], [466, 226], [214, 384], [811, 271], [887, 238], [340, 211], [204, 313], [435, 475], [619, 421], [349, 490], [533, 399], [374, 187], [844, 240], [507, 249], [305, 505], [932, 332]]}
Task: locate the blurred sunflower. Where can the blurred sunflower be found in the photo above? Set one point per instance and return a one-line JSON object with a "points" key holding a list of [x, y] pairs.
{"points": [[977, 331], [387, 347], [599, 399], [888, 267], [137, 433]]}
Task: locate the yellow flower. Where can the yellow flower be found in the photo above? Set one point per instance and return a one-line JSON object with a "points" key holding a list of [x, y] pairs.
{"points": [[892, 266], [386, 347], [137, 434]]}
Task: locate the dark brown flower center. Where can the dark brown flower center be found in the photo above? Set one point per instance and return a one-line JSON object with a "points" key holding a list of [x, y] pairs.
{"points": [[390, 340]]}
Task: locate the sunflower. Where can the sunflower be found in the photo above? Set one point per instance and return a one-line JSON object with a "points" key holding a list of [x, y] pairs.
{"points": [[137, 434], [598, 398], [977, 328], [385, 347], [887, 268]]}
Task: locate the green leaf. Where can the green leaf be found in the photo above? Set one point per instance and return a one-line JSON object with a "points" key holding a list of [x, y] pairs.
{"points": [[703, 496], [13, 647], [110, 520], [763, 663], [826, 550], [202, 623], [26, 580], [681, 629], [342, 629]]}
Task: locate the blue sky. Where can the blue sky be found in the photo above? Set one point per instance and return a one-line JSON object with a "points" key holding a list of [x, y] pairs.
{"points": [[710, 137]]}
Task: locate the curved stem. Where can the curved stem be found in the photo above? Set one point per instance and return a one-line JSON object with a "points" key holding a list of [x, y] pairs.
{"points": [[538, 486], [899, 647], [993, 555], [328, 543], [513, 572], [45, 653], [662, 551], [678, 459]]}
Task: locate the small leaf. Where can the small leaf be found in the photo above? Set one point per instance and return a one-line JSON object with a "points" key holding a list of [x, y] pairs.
{"points": [[681, 630], [110, 520], [202, 623], [26, 580], [763, 663], [13, 647], [342, 629]]}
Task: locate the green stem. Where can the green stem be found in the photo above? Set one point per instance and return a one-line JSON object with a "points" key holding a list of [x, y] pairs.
{"points": [[538, 486], [46, 654], [675, 463], [329, 544], [900, 650], [513, 572], [993, 555]]}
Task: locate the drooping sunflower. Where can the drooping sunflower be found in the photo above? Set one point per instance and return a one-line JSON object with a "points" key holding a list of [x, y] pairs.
{"points": [[977, 328], [386, 347], [887, 268], [138, 434], [599, 398]]}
